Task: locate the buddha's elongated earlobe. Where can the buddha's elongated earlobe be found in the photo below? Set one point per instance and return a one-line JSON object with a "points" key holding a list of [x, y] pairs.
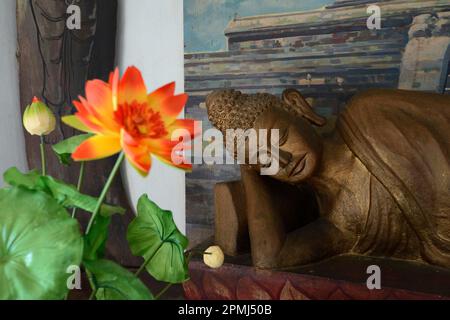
{"points": [[293, 98]]}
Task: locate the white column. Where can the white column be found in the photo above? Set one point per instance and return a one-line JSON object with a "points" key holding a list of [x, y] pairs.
{"points": [[12, 142], [150, 36]]}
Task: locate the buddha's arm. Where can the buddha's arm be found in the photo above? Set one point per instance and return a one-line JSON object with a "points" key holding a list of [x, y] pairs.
{"points": [[266, 228], [272, 245]]}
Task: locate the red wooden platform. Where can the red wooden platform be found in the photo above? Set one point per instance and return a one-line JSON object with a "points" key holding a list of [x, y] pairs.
{"points": [[339, 278]]}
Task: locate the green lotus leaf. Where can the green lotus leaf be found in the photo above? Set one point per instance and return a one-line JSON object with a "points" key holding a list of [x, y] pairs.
{"points": [[113, 282], [95, 240], [67, 195], [154, 236], [65, 148], [15, 178], [39, 241]]}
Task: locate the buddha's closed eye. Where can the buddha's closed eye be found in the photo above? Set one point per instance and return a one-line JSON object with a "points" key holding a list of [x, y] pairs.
{"points": [[283, 137]]}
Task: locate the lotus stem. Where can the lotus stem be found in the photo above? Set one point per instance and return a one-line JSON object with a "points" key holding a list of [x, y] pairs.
{"points": [[43, 163], [93, 293], [92, 283], [79, 184], [167, 287], [105, 190]]}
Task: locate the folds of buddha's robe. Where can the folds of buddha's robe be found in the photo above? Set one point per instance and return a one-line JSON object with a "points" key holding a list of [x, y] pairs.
{"points": [[403, 139]]}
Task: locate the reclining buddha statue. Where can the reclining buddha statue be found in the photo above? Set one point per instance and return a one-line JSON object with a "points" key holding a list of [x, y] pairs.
{"points": [[378, 185]]}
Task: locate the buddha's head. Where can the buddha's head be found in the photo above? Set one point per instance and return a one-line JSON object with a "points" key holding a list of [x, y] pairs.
{"points": [[300, 147]]}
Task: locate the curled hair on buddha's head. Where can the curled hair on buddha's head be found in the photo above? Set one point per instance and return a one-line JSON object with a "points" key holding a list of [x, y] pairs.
{"points": [[231, 109]]}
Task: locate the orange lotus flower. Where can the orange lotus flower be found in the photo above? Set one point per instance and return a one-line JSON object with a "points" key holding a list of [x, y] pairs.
{"points": [[125, 118]]}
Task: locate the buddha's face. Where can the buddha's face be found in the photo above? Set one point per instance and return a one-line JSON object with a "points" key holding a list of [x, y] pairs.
{"points": [[300, 147]]}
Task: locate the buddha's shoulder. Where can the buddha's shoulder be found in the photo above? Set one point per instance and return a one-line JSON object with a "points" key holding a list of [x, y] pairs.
{"points": [[373, 99]]}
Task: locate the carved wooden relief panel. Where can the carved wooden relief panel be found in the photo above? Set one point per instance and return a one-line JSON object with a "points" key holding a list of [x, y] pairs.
{"points": [[55, 61]]}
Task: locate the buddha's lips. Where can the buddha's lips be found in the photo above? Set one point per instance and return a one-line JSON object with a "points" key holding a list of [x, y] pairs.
{"points": [[298, 166]]}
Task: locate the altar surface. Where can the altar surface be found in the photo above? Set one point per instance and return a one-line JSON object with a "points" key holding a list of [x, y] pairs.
{"points": [[340, 278]]}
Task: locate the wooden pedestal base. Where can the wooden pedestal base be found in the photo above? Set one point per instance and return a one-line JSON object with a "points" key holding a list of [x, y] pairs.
{"points": [[339, 278]]}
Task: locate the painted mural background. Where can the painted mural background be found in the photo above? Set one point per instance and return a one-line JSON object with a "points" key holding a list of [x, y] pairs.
{"points": [[323, 48], [206, 20]]}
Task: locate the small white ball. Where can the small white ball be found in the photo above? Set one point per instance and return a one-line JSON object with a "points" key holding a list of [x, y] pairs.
{"points": [[213, 257]]}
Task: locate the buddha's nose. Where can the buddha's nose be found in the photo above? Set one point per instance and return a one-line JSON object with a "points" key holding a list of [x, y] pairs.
{"points": [[284, 158]]}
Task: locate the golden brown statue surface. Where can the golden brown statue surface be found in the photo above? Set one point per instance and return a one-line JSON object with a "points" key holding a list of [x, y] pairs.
{"points": [[381, 180]]}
